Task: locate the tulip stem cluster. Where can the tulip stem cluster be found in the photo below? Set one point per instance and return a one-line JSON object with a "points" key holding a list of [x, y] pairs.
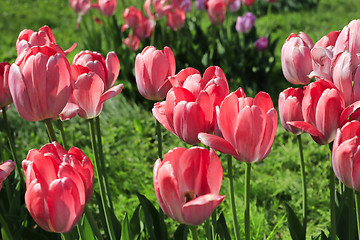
{"points": [[303, 178], [12, 146], [247, 201], [357, 204], [232, 198], [97, 168], [332, 199]]}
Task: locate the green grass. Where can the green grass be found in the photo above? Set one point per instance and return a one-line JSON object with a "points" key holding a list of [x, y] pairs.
{"points": [[129, 128]]}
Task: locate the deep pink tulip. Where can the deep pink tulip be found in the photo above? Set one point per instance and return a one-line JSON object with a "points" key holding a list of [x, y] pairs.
{"points": [[94, 79], [296, 59], [261, 44], [290, 108], [247, 126], [346, 155], [322, 106], [5, 96], [216, 11], [152, 69], [40, 83], [245, 23], [175, 17], [106, 7], [5, 169], [133, 17], [189, 108], [44, 37], [187, 184], [58, 184], [248, 2]]}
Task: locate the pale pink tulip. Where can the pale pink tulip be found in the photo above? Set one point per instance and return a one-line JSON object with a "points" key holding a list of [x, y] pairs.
{"points": [[106, 7], [187, 184], [247, 127], [296, 58], [5, 96], [290, 108], [152, 69], [5, 169], [40, 83], [58, 184]]}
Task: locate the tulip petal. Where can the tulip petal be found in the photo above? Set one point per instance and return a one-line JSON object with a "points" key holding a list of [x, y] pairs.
{"points": [[113, 67], [217, 143], [214, 173], [159, 113]]}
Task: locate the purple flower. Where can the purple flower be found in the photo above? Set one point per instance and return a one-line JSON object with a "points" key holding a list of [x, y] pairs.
{"points": [[234, 6], [245, 23], [261, 44]]}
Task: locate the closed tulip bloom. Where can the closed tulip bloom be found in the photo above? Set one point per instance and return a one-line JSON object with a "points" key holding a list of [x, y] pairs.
{"points": [[187, 184], [40, 83], [346, 155], [216, 11], [5, 96], [133, 17], [296, 61], [80, 7], [58, 184], [248, 2], [189, 107], [234, 5], [175, 17], [245, 23], [132, 42], [261, 44], [247, 125], [152, 69], [5, 169], [322, 106], [106, 7], [200, 4], [290, 108]]}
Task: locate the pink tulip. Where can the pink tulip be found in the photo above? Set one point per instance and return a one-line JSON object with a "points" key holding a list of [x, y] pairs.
{"points": [[133, 17], [247, 126], [40, 83], [106, 7], [175, 17], [346, 155], [94, 78], [58, 184], [261, 44], [5, 169], [322, 106], [132, 42], [187, 184], [296, 59], [248, 2], [233, 5], [245, 23], [80, 7], [190, 105], [44, 37], [5, 96], [152, 69], [142, 27], [216, 11], [290, 108]]}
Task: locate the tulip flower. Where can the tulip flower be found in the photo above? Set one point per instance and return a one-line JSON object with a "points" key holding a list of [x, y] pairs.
{"points": [[296, 61], [175, 17], [152, 69], [247, 126], [245, 23], [5, 96], [80, 7], [290, 108], [58, 184], [5, 169], [132, 42], [189, 107], [187, 184], [248, 2], [322, 106], [233, 5], [40, 83], [216, 11], [106, 7], [261, 44], [200, 4], [134, 19], [345, 155]]}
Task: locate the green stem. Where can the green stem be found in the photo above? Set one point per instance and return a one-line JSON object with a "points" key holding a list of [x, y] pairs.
{"points": [[50, 130], [214, 223], [62, 133], [247, 201], [5, 226], [102, 162], [332, 199], [232, 198], [92, 222], [99, 175], [12, 147], [208, 229], [159, 137], [357, 204], [66, 236], [193, 232], [303, 180]]}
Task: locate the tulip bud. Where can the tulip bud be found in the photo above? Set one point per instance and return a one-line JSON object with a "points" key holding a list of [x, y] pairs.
{"points": [[261, 44], [245, 23]]}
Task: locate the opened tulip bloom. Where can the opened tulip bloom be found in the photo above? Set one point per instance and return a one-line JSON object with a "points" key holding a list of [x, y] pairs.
{"points": [[40, 83], [187, 184], [5, 169], [58, 184], [189, 108], [152, 69], [5, 96], [247, 127]]}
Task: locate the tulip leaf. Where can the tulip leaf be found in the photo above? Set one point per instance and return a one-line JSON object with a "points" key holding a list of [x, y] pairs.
{"points": [[126, 232], [85, 229], [345, 215], [295, 227], [136, 225], [153, 221], [181, 232], [222, 229]]}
